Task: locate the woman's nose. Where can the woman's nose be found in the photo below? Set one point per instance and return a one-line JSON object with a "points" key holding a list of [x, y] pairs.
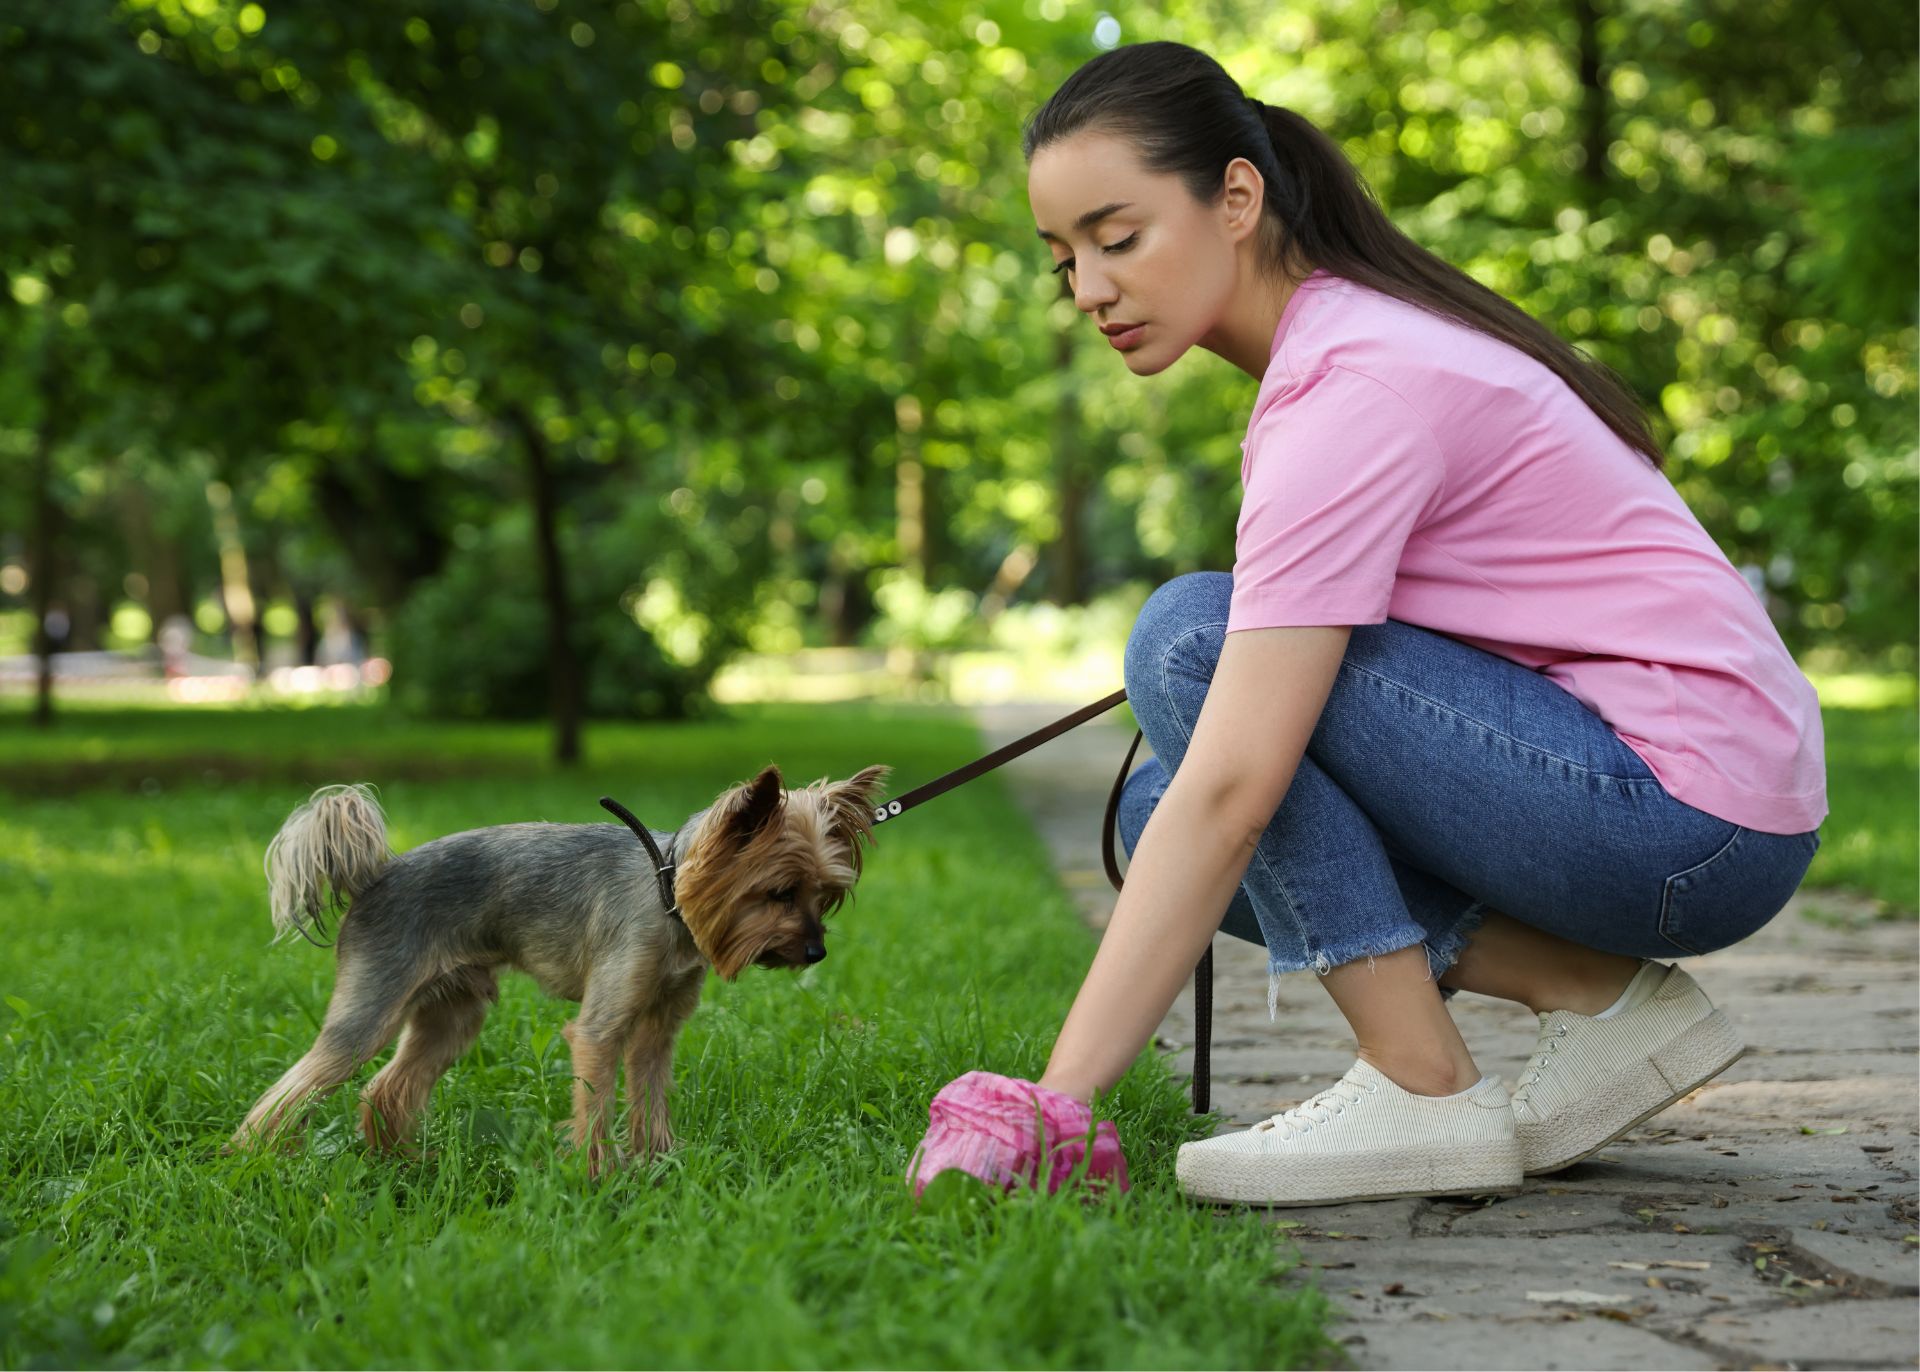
{"points": [[1090, 291]]}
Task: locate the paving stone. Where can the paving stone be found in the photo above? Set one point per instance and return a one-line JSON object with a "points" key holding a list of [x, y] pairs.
{"points": [[1286, 1076], [1542, 1213], [1835, 1332], [1887, 1266], [1728, 1162], [1773, 1209], [1390, 1219], [1460, 1277], [1581, 1341], [1735, 1102]]}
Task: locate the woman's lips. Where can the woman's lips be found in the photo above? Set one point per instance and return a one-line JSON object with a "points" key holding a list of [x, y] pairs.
{"points": [[1129, 339]]}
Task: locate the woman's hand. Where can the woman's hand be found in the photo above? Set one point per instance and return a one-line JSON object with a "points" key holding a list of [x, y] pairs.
{"points": [[1265, 698], [1007, 1131]]}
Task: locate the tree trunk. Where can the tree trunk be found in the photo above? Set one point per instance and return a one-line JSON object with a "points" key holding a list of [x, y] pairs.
{"points": [[84, 613], [1593, 106], [909, 498], [563, 669], [152, 552], [236, 588], [1067, 563], [46, 526], [307, 635], [845, 604], [382, 519]]}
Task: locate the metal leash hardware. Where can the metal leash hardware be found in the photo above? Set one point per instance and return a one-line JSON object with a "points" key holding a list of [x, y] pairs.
{"points": [[1203, 970], [919, 795]]}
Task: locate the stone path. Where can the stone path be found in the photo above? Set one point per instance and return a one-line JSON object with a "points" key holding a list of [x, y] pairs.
{"points": [[1720, 1234]]}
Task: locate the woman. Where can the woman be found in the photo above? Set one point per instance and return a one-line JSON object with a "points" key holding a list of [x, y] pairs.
{"points": [[1481, 706]]}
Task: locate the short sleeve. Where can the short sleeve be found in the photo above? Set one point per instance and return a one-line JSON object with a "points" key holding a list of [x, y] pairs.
{"points": [[1338, 473]]}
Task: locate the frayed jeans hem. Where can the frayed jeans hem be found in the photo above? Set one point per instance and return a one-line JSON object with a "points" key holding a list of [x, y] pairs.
{"points": [[1326, 959], [1444, 949]]}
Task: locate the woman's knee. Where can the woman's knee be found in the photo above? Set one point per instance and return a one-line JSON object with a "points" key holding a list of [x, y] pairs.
{"points": [[1174, 609]]}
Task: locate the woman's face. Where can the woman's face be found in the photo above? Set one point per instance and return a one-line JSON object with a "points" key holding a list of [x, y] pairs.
{"points": [[1143, 252]]}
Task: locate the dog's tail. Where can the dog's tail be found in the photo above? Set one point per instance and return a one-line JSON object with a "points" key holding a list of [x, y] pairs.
{"points": [[329, 850]]}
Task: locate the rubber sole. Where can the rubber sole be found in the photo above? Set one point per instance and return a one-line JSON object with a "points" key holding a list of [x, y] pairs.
{"points": [[1693, 1058], [1464, 1169]]}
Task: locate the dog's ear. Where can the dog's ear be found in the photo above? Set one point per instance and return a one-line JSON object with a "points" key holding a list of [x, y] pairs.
{"points": [[863, 788], [851, 805], [747, 809]]}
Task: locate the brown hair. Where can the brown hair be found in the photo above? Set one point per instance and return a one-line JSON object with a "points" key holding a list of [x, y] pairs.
{"points": [[1188, 118]]}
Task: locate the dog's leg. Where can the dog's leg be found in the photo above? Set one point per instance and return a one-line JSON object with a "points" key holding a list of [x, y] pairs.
{"points": [[444, 1019], [596, 1036], [649, 1079], [650, 1066], [368, 1005]]}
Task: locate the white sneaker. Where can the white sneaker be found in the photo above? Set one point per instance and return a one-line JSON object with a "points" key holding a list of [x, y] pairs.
{"points": [[1594, 1077], [1363, 1138]]}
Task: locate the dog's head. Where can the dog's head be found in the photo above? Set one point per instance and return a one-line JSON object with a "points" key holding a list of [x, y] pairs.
{"points": [[765, 866]]}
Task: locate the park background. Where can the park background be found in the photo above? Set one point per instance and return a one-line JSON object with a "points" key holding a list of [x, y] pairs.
{"points": [[508, 403]]}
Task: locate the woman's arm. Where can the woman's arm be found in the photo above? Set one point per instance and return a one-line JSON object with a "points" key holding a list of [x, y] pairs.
{"points": [[1265, 698]]}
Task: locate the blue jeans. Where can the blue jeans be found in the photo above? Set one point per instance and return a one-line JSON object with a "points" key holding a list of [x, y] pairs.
{"points": [[1443, 781]]}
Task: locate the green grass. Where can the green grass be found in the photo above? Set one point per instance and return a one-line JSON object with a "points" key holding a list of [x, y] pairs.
{"points": [[1870, 842], [144, 1010]]}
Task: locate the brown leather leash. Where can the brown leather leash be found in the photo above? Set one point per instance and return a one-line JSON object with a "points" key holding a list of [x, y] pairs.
{"points": [[1202, 973]]}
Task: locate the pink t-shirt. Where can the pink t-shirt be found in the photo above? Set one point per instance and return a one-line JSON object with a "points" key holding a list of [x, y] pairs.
{"points": [[1403, 465]]}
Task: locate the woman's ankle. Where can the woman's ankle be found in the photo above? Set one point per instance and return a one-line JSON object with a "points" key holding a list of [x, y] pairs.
{"points": [[1423, 1076], [1589, 989]]}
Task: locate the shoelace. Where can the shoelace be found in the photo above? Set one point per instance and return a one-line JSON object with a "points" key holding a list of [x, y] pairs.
{"points": [[1541, 1059], [1301, 1118]]}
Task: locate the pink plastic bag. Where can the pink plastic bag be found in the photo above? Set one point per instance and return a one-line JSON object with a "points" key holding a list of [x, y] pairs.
{"points": [[990, 1127]]}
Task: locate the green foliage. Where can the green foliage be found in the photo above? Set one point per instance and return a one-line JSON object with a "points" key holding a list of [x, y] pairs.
{"points": [[780, 1234], [767, 269], [471, 641]]}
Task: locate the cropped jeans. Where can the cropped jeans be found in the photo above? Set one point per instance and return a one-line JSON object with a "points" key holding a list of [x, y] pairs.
{"points": [[1443, 781]]}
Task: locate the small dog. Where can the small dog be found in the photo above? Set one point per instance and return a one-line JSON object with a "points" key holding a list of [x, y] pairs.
{"points": [[579, 908]]}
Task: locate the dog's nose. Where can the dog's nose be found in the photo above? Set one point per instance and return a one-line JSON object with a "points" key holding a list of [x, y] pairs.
{"points": [[816, 951]]}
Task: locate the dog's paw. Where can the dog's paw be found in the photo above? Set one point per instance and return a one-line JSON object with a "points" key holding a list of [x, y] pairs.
{"points": [[603, 1160], [655, 1144], [285, 1140], [392, 1138]]}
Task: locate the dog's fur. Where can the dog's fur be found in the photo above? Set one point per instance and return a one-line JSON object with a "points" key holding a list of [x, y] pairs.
{"points": [[423, 938]]}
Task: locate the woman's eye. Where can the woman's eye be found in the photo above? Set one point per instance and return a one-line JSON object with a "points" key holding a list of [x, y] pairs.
{"points": [[1121, 246]]}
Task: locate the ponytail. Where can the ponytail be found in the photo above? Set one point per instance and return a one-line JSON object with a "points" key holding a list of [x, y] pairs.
{"points": [[1188, 118]]}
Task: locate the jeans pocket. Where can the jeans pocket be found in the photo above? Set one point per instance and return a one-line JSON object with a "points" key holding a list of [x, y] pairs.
{"points": [[1746, 882], [1693, 901]]}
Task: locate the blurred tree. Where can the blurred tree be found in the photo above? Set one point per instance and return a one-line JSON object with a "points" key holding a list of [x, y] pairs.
{"points": [[744, 294]]}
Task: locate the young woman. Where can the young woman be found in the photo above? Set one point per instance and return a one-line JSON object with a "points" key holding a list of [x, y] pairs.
{"points": [[1480, 707]]}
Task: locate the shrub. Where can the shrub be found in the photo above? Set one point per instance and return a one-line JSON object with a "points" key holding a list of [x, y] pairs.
{"points": [[471, 641]]}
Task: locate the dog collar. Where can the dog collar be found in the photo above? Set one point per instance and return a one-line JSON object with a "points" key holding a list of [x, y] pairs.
{"points": [[663, 867]]}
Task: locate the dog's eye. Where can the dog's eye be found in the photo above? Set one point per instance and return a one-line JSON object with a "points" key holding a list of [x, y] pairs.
{"points": [[786, 896]]}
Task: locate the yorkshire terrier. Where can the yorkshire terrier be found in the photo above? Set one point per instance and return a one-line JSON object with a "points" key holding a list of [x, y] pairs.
{"points": [[581, 908]]}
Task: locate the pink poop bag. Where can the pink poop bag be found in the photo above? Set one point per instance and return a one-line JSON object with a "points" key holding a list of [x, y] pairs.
{"points": [[1006, 1131]]}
